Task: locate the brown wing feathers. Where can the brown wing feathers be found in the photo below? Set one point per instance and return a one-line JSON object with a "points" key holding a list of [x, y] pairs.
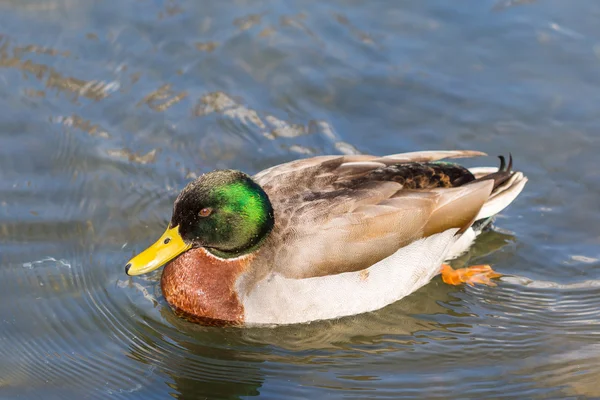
{"points": [[343, 213], [428, 175]]}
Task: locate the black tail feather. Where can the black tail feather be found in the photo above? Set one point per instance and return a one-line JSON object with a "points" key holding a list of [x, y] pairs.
{"points": [[502, 163], [502, 175]]}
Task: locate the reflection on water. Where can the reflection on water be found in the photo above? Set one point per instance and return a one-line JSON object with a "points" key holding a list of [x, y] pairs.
{"points": [[53, 79], [109, 108]]}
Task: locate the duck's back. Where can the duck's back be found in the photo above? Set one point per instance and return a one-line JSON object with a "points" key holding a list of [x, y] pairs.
{"points": [[336, 214]]}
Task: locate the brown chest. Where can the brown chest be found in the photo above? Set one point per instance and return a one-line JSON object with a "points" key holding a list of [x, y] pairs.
{"points": [[202, 288]]}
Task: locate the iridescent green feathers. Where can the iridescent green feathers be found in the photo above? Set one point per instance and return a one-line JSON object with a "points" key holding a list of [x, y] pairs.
{"points": [[224, 211]]}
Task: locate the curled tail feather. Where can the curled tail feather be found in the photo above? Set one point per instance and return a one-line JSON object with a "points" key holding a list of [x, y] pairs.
{"points": [[503, 174]]}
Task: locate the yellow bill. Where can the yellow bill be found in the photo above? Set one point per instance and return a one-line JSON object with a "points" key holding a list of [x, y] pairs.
{"points": [[166, 248]]}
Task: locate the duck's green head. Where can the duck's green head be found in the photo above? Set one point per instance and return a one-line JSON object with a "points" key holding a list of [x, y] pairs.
{"points": [[224, 211]]}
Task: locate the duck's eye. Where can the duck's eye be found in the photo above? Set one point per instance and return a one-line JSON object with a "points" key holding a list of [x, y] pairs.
{"points": [[205, 212]]}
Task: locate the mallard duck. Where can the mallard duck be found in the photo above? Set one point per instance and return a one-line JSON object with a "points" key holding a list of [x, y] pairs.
{"points": [[323, 237]]}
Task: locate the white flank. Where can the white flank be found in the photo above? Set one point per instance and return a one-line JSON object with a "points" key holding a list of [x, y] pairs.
{"points": [[463, 244], [279, 300]]}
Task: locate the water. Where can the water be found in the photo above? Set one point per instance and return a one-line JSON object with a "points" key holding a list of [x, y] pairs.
{"points": [[109, 107]]}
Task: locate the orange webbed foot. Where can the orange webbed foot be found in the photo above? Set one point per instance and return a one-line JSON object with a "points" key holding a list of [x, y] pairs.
{"points": [[471, 275]]}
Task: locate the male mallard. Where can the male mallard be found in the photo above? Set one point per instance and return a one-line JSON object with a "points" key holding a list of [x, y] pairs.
{"points": [[323, 237]]}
